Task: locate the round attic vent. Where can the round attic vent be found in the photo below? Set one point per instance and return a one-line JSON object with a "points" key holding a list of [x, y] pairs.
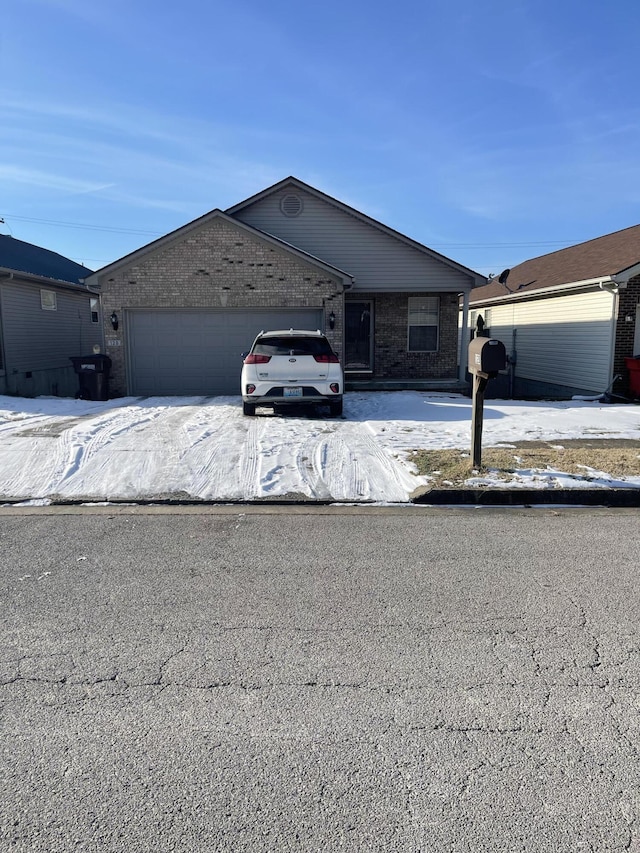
{"points": [[291, 205]]}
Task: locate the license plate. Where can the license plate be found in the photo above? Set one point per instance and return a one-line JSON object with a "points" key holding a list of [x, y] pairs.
{"points": [[292, 392]]}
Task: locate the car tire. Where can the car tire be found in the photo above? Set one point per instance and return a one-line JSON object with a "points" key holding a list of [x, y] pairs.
{"points": [[248, 409], [335, 409]]}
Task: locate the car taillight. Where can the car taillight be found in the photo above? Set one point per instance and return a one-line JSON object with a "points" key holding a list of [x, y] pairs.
{"points": [[254, 358], [250, 389], [335, 387], [325, 358]]}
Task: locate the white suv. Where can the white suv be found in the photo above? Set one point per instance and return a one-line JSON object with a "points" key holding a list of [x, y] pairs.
{"points": [[291, 367]]}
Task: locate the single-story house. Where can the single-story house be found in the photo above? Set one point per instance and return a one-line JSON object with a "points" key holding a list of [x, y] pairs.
{"points": [[568, 319], [180, 311], [47, 315]]}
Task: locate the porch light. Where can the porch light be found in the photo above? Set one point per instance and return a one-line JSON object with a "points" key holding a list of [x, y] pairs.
{"points": [[332, 320], [114, 321]]}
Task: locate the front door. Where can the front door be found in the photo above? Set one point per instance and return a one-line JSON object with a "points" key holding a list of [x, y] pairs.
{"points": [[358, 343]]}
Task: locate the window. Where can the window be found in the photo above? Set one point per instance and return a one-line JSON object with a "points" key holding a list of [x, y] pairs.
{"points": [[296, 345], [93, 307], [484, 319], [48, 300], [424, 313]]}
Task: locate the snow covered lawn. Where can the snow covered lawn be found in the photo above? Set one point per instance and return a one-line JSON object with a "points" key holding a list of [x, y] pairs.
{"points": [[204, 448]]}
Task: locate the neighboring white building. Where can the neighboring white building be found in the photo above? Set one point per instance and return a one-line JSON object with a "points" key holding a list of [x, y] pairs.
{"points": [[568, 320]]}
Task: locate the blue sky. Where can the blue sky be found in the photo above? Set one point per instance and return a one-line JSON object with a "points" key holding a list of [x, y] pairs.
{"points": [[489, 130]]}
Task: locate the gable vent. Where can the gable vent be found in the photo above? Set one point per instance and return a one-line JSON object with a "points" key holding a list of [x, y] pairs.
{"points": [[291, 205]]}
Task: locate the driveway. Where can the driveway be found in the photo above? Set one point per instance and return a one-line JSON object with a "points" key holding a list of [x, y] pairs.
{"points": [[203, 448]]}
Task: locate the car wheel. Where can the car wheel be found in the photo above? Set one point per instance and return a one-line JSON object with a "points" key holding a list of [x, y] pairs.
{"points": [[335, 409], [248, 408]]}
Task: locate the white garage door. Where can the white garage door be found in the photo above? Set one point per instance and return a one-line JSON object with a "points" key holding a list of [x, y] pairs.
{"points": [[199, 352]]}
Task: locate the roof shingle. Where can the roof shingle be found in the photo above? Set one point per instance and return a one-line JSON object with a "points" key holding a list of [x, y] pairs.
{"points": [[601, 257], [19, 256]]}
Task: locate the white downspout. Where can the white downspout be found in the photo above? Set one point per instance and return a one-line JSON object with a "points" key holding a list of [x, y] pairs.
{"points": [[615, 306], [464, 338]]}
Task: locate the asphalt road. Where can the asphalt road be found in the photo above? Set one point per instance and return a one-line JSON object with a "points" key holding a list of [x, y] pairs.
{"points": [[319, 679]]}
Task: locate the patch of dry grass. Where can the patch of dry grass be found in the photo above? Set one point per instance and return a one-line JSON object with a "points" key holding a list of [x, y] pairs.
{"points": [[450, 468]]}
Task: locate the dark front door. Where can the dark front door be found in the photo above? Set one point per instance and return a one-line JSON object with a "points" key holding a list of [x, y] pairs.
{"points": [[358, 336]]}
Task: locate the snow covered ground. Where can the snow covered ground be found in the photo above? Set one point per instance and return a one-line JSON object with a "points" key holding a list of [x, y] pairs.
{"points": [[204, 448]]}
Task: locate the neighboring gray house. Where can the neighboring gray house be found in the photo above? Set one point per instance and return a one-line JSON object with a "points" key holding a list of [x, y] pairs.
{"points": [[46, 316], [569, 319], [187, 305]]}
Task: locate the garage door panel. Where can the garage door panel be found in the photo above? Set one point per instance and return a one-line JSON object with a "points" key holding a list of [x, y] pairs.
{"points": [[199, 352]]}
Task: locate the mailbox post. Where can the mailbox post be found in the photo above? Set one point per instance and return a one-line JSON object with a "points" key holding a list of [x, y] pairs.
{"points": [[487, 357]]}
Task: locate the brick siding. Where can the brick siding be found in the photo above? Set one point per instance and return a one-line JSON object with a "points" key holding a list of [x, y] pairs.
{"points": [[629, 297], [217, 265], [392, 359]]}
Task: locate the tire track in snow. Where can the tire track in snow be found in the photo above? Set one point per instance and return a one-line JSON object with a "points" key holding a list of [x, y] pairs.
{"points": [[224, 461], [38, 425], [356, 468], [249, 459], [88, 450], [286, 455], [207, 461], [160, 449], [311, 459], [274, 456], [206, 450], [55, 455], [324, 460], [23, 423], [26, 473]]}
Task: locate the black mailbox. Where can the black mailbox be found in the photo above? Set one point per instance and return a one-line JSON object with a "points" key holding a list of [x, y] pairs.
{"points": [[487, 356]]}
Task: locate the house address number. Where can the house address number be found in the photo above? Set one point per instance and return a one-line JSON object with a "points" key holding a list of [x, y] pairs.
{"points": [[114, 342]]}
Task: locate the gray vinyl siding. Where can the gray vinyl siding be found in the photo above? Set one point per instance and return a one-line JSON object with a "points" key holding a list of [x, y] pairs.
{"points": [[563, 340], [378, 260], [40, 342]]}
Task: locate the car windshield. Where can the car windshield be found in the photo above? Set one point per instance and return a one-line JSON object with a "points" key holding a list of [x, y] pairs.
{"points": [[291, 345]]}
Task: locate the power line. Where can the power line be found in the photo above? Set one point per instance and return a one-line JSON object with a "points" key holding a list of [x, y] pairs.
{"points": [[82, 225], [505, 245], [111, 229]]}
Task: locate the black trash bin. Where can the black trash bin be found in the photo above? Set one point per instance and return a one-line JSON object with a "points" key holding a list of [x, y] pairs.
{"points": [[93, 376]]}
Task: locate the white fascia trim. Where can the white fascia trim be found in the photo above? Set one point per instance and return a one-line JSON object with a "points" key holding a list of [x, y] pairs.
{"points": [[621, 278], [612, 281], [34, 278]]}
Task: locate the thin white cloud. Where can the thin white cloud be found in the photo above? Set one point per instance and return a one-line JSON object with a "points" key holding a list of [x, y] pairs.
{"points": [[139, 157], [35, 177]]}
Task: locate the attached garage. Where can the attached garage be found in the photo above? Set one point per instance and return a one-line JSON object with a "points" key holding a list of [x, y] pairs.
{"points": [[184, 352], [179, 311]]}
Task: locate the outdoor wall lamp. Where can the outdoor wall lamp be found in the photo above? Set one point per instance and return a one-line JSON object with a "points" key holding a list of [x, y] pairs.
{"points": [[332, 320], [114, 321]]}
